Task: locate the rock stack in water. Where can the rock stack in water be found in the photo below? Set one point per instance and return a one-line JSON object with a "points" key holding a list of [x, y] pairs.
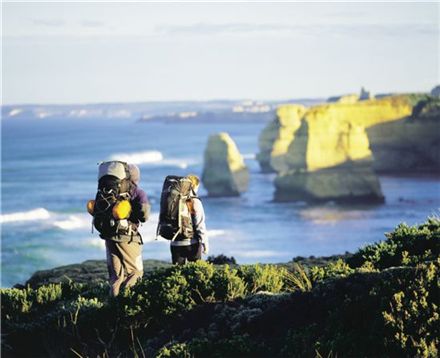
{"points": [[224, 172], [330, 157], [276, 137]]}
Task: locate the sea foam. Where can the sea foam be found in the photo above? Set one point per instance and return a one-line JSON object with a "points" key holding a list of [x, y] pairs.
{"points": [[151, 156], [73, 222], [249, 156]]}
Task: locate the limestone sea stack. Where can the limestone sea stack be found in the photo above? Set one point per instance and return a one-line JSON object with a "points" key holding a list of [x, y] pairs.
{"points": [[330, 156], [224, 171], [276, 137]]}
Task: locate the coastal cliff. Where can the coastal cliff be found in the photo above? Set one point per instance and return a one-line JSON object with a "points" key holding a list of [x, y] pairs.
{"points": [[224, 170]]}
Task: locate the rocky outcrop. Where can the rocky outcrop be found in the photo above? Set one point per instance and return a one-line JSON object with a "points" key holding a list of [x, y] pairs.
{"points": [[224, 172], [276, 137], [330, 156], [410, 145]]}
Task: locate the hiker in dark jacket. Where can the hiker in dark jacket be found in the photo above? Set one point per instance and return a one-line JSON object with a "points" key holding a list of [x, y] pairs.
{"points": [[192, 249], [124, 252]]}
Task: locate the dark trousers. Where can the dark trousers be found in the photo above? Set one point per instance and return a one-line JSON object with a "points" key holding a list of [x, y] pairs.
{"points": [[181, 254]]}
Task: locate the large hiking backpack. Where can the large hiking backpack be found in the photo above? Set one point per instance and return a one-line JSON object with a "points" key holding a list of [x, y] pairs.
{"points": [[114, 186], [175, 220]]}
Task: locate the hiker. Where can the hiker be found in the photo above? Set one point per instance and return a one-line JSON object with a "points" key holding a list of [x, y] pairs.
{"points": [[120, 206], [182, 219]]}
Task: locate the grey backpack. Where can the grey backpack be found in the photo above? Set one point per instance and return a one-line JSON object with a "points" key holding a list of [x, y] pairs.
{"points": [[175, 222], [114, 185]]}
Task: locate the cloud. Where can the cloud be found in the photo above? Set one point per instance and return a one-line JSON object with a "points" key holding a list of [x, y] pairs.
{"points": [[309, 29], [49, 22], [92, 23], [213, 29]]}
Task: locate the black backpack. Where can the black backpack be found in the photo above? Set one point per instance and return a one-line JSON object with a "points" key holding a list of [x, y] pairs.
{"points": [[175, 222], [114, 185]]}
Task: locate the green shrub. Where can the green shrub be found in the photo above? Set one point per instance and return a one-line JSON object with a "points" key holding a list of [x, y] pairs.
{"points": [[49, 293], [331, 270], [262, 277], [227, 284], [298, 279], [199, 277], [406, 245], [168, 292], [16, 301], [174, 350], [413, 318]]}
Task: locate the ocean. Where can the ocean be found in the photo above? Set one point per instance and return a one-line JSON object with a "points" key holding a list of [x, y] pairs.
{"points": [[49, 169]]}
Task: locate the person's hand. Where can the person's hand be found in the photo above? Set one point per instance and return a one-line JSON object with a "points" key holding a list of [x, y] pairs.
{"points": [[205, 247]]}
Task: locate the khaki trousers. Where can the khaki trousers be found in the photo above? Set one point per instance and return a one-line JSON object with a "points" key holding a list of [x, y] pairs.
{"points": [[124, 263]]}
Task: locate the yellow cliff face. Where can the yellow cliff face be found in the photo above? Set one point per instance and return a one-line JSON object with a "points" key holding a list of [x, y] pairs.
{"points": [[275, 139], [329, 157], [411, 145], [335, 133]]}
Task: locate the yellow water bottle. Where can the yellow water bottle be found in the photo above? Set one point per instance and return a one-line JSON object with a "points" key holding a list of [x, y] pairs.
{"points": [[122, 210], [91, 206]]}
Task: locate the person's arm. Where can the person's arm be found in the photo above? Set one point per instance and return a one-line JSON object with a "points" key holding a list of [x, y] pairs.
{"points": [[141, 206], [199, 225]]}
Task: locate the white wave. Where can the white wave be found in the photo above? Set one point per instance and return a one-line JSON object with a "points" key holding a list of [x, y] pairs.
{"points": [[73, 222], [250, 156], [216, 233], [31, 215], [151, 156]]}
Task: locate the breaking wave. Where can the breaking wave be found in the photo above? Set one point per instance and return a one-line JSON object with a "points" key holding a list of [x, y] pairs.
{"points": [[58, 220], [216, 233], [249, 156], [73, 222], [31, 215], [151, 156]]}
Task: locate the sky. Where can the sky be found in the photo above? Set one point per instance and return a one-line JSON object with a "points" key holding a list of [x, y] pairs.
{"points": [[55, 53]]}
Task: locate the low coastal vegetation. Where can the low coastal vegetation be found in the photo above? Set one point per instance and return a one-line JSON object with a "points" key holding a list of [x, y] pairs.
{"points": [[380, 301]]}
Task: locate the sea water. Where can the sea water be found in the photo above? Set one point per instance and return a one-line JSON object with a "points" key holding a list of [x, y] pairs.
{"points": [[49, 172]]}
